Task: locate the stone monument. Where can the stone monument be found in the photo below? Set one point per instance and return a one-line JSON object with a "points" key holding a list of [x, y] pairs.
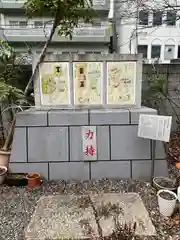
{"points": [[85, 119]]}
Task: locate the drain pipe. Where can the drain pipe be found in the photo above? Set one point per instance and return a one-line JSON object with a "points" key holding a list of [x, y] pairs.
{"points": [[111, 25]]}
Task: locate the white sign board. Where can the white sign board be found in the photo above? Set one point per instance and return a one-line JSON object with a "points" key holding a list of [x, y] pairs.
{"points": [[89, 143], [154, 127]]}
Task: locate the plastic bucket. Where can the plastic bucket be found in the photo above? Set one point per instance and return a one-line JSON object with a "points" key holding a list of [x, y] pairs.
{"points": [[166, 207]]}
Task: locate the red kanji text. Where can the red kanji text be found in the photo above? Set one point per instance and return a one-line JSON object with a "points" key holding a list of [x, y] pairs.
{"points": [[89, 134], [90, 150]]}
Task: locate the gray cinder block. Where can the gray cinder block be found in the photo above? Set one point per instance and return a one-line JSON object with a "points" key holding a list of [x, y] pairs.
{"points": [[109, 116], [19, 146], [48, 144], [68, 117], [125, 144], [113, 169], [69, 171]]}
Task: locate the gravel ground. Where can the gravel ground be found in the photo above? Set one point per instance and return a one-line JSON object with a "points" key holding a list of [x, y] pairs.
{"points": [[17, 204]]}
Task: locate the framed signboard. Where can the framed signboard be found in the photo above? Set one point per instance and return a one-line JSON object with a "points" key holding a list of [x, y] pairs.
{"points": [[121, 80], [89, 143], [155, 127], [88, 81], [54, 83]]}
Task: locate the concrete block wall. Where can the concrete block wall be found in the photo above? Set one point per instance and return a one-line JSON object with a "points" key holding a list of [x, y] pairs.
{"points": [[50, 142], [171, 75]]}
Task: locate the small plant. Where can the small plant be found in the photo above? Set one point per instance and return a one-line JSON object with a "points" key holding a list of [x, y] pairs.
{"points": [[105, 210], [11, 96], [10, 93]]}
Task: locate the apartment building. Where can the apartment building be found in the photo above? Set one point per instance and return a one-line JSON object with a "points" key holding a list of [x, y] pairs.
{"points": [[23, 33], [155, 34]]}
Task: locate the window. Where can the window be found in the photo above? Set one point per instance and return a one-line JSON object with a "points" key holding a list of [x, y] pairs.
{"points": [[155, 51], [13, 24], [143, 49], [178, 52], [143, 18], [22, 24], [18, 24], [157, 18], [171, 18], [38, 24], [169, 52]]}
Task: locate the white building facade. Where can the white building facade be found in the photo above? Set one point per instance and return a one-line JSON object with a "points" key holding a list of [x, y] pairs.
{"points": [[155, 33], [132, 26]]}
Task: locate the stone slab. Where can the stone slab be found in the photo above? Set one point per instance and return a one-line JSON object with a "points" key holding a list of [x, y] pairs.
{"points": [[135, 112], [111, 169], [141, 170], [64, 217], [31, 118], [109, 116], [42, 168], [76, 145], [68, 117], [125, 144], [69, 171], [46, 144], [160, 150], [19, 146], [103, 143]]}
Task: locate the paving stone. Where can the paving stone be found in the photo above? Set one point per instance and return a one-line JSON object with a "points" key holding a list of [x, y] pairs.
{"points": [[60, 217]]}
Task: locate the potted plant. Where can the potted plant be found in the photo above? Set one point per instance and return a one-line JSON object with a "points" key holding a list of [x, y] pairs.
{"points": [[34, 180], [11, 97], [167, 202], [16, 179], [3, 172], [164, 183]]}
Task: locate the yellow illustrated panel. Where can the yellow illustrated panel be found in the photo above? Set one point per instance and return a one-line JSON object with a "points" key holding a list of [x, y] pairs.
{"points": [[88, 82], [55, 84], [121, 80]]}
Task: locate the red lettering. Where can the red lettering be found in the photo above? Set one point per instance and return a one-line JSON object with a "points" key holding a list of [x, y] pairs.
{"points": [[89, 134], [90, 150]]}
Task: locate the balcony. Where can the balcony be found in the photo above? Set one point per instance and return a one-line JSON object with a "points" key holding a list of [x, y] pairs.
{"points": [[6, 5], [99, 5], [81, 34]]}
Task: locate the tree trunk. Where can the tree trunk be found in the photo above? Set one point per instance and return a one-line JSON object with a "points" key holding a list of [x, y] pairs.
{"points": [[9, 137], [42, 54]]}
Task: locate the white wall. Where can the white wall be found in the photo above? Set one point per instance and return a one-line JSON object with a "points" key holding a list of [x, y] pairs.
{"points": [[147, 35]]}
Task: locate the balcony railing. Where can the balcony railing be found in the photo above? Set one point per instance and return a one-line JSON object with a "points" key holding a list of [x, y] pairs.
{"points": [[97, 4], [18, 32], [81, 34]]}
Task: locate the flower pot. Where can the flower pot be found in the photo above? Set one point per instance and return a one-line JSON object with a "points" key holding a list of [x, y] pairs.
{"points": [[178, 196], [164, 183], [34, 180], [3, 172], [167, 202], [4, 158], [16, 179]]}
